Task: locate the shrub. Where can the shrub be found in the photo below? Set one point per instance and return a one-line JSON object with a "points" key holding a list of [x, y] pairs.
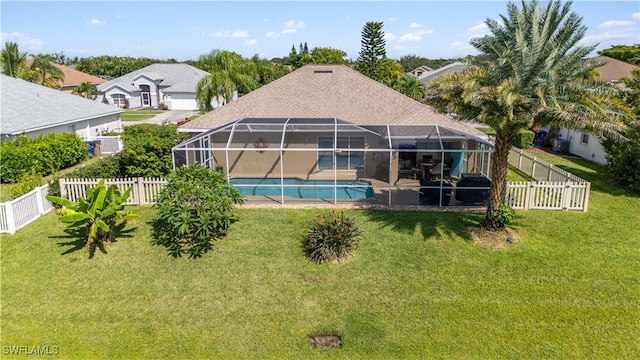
{"points": [[43, 154], [331, 237], [27, 183], [107, 167], [195, 208], [524, 139], [147, 149], [623, 158], [503, 215]]}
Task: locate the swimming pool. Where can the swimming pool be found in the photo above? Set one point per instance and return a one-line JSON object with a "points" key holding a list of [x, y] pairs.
{"points": [[304, 189]]}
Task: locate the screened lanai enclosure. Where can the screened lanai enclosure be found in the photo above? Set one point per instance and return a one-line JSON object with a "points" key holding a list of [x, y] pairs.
{"points": [[331, 161]]}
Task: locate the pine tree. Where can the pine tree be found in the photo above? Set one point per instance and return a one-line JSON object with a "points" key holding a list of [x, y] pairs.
{"points": [[372, 48]]}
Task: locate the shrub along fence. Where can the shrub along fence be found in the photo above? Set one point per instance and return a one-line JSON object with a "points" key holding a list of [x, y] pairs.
{"points": [[18, 213]]}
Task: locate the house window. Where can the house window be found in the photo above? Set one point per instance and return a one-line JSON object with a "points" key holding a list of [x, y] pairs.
{"points": [[118, 99], [345, 158], [584, 139]]}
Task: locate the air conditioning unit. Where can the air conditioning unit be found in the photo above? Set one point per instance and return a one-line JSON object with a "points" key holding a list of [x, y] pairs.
{"points": [[560, 145]]}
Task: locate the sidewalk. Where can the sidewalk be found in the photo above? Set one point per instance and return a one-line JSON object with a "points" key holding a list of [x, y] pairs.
{"points": [[172, 116]]}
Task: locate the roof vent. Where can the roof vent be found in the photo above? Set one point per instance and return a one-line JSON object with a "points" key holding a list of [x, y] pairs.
{"points": [[323, 71]]}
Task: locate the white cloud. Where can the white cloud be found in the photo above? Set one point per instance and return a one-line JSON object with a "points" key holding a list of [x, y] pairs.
{"points": [[616, 23], [95, 22], [273, 35], [221, 34], [239, 34], [292, 24], [636, 15], [289, 31], [410, 37], [389, 36], [251, 42], [119, 16], [459, 45], [415, 25], [481, 27], [627, 35], [24, 41]]}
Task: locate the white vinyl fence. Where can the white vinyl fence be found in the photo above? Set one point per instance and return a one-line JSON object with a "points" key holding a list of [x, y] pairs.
{"points": [[18, 213], [555, 189], [144, 189]]}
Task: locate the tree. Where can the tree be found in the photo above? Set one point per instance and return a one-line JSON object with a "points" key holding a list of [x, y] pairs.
{"points": [[44, 71], [327, 55], [533, 75], [627, 53], [99, 213], [228, 72], [410, 86], [388, 72], [372, 48], [195, 208], [13, 60], [86, 90], [412, 61], [623, 154]]}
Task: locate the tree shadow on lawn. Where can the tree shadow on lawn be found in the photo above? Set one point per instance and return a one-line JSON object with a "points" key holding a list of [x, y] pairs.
{"points": [[430, 223], [79, 239]]}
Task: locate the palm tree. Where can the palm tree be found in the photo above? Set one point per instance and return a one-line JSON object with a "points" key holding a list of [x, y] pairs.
{"points": [[86, 90], [410, 86], [44, 72], [532, 72], [228, 72], [13, 61]]}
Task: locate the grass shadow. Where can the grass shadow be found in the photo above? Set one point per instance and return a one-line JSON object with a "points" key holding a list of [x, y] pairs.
{"points": [[78, 239]]}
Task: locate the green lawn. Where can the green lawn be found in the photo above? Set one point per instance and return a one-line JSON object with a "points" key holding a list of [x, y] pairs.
{"points": [[137, 115], [417, 287]]}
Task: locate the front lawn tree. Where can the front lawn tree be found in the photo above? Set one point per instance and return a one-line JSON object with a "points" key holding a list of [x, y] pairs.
{"points": [[532, 71]]}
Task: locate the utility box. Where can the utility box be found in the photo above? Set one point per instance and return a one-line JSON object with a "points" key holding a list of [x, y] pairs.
{"points": [[560, 145]]}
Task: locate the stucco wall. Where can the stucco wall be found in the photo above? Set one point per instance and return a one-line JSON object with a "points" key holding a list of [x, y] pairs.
{"points": [[85, 128]]}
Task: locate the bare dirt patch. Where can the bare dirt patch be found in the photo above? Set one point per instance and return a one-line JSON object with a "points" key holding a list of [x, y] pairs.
{"points": [[325, 341], [502, 239]]}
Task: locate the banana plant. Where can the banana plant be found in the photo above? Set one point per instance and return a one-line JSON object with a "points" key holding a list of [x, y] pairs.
{"points": [[99, 212]]}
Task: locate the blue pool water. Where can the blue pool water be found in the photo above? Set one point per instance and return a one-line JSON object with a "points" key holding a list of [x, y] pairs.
{"points": [[304, 189]]}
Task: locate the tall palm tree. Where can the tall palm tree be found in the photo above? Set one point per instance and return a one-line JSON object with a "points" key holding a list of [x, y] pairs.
{"points": [[13, 60], [228, 72], [410, 86], [86, 90], [532, 72]]}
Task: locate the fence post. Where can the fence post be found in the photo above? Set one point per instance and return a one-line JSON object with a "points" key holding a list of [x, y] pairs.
{"points": [[528, 195], [549, 173], [39, 199], [140, 186], [533, 168], [11, 219], [585, 203], [63, 189]]}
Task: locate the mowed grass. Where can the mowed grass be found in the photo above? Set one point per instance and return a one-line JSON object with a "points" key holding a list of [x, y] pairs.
{"points": [[416, 288], [137, 115]]}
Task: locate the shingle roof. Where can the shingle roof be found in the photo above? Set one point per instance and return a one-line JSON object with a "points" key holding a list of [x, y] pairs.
{"points": [[328, 91], [613, 70], [73, 77], [181, 76], [25, 106]]}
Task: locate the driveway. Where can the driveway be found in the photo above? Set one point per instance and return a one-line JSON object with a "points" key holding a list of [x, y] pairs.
{"points": [[170, 115]]}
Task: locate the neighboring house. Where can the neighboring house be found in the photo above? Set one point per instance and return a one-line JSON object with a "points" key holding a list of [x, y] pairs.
{"points": [[32, 109], [328, 132], [586, 145], [173, 85], [427, 78], [421, 70], [72, 77]]}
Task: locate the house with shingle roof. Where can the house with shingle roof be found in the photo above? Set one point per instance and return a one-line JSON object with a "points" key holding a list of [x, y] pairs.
{"points": [[428, 77], [585, 145], [72, 77], [32, 109], [173, 85], [328, 133]]}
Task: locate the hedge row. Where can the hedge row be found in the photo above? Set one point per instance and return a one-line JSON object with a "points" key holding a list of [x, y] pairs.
{"points": [[41, 155]]}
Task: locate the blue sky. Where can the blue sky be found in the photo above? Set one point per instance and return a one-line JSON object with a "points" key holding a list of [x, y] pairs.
{"points": [[184, 30]]}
